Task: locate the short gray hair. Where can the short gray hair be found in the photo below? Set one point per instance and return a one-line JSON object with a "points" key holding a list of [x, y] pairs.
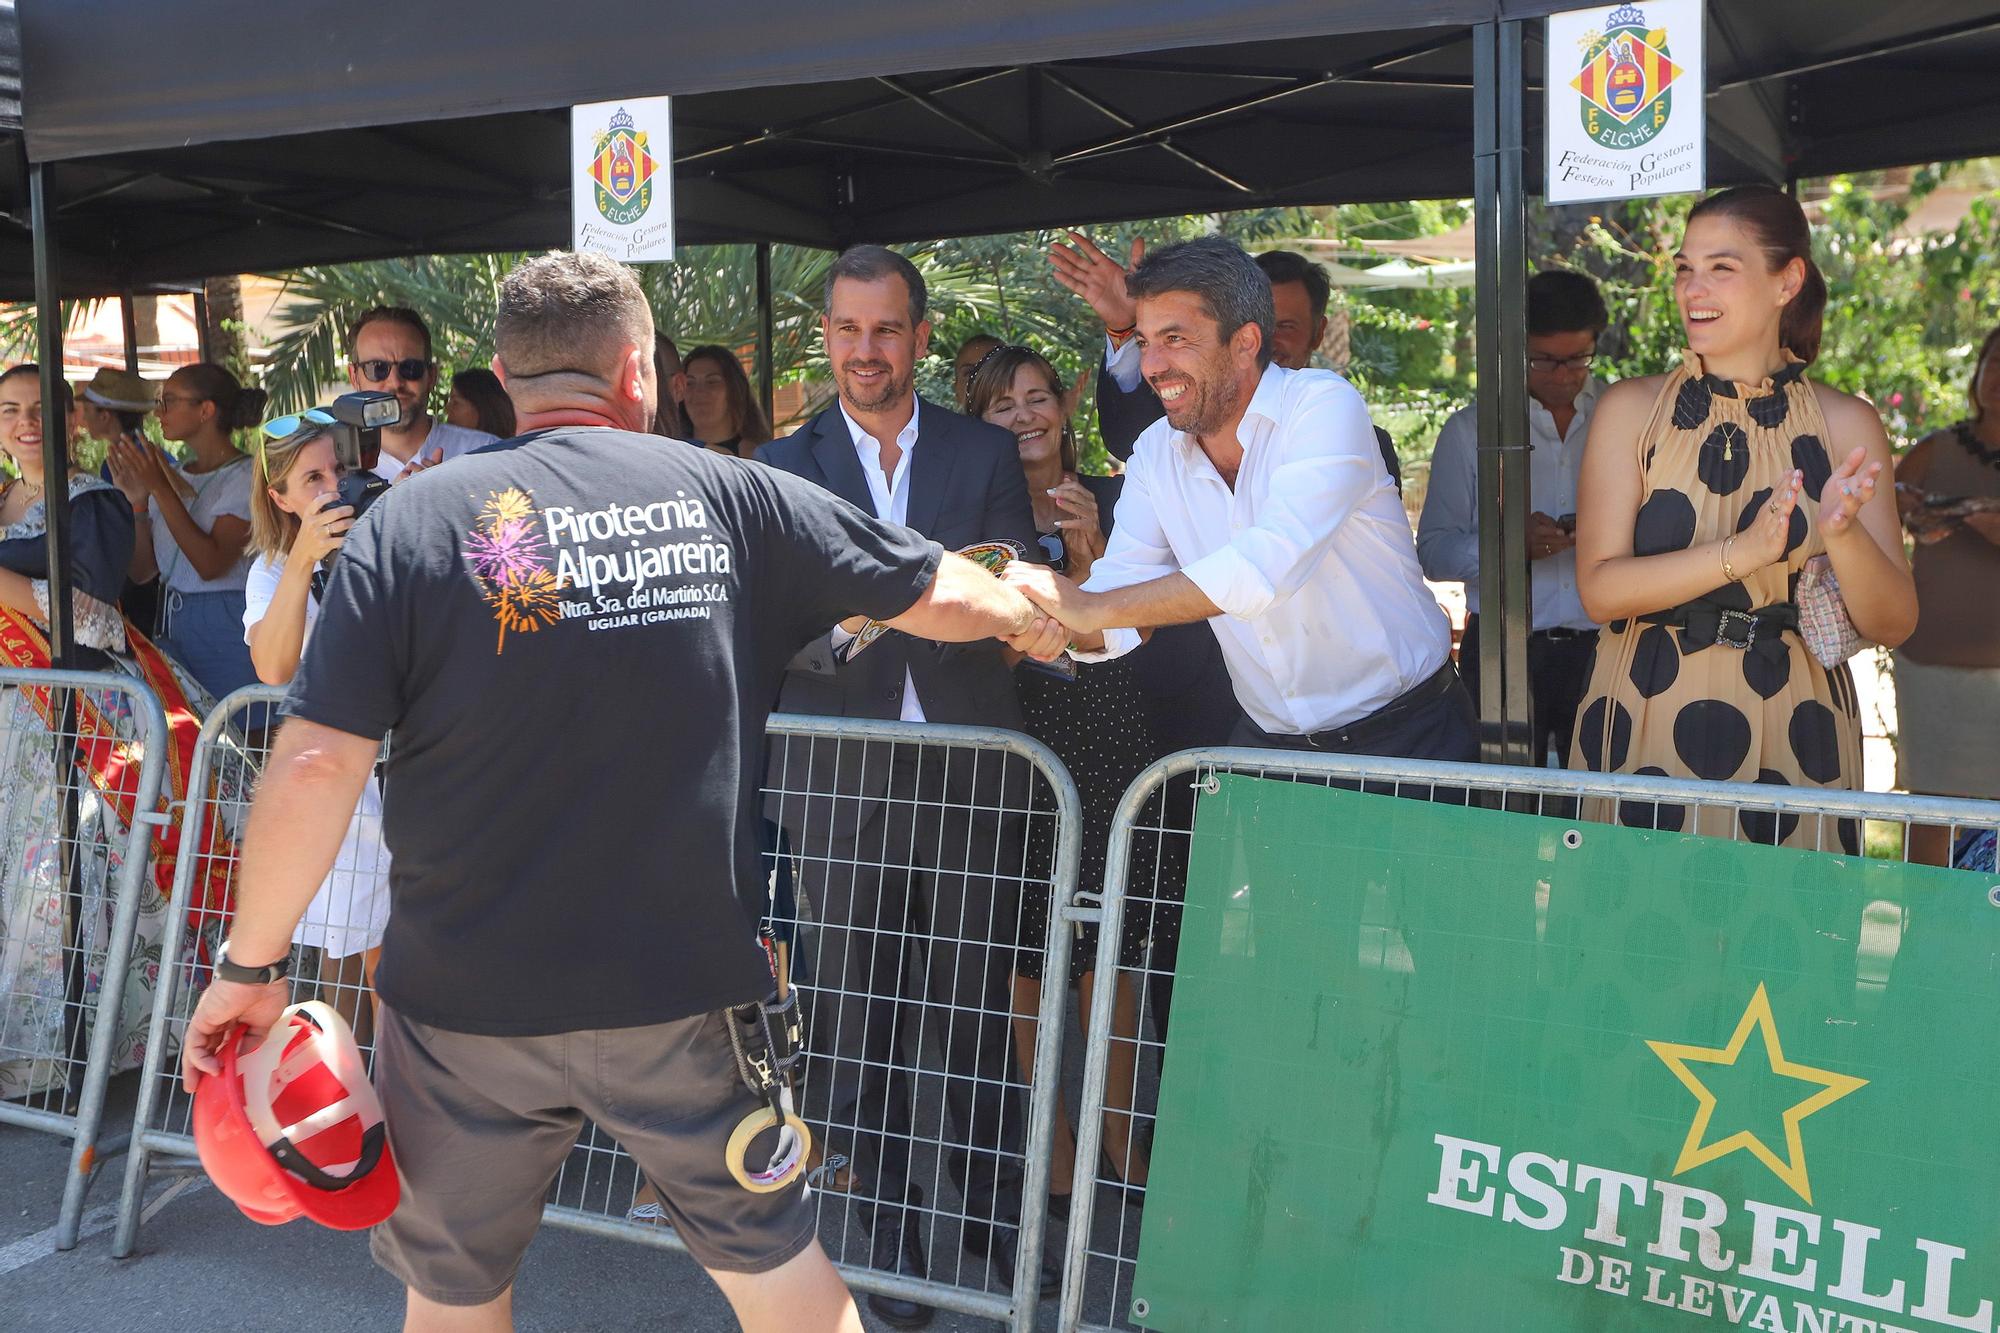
{"points": [[872, 263], [572, 312], [1222, 274]]}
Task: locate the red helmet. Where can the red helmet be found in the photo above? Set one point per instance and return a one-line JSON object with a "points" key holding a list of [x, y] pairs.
{"points": [[293, 1128]]}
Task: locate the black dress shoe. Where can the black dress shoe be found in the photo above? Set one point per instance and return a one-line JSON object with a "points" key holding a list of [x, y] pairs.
{"points": [[979, 1241], [896, 1249]]}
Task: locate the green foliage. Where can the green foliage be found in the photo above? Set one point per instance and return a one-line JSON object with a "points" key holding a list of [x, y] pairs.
{"points": [[1905, 314], [454, 293]]}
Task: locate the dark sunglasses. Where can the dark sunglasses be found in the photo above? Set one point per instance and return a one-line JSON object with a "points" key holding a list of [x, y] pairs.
{"points": [[409, 368]]}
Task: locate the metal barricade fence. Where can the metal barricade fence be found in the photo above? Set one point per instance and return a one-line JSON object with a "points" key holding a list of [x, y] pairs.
{"points": [[227, 761], [900, 857], [82, 759], [1145, 885]]}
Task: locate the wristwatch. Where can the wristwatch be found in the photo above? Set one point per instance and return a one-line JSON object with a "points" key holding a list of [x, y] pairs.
{"points": [[227, 970]]}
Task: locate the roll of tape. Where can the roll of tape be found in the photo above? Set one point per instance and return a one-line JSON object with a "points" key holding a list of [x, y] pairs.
{"points": [[783, 1169]]}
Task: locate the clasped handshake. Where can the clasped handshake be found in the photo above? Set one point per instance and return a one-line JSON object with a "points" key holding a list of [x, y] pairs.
{"points": [[1064, 613]]}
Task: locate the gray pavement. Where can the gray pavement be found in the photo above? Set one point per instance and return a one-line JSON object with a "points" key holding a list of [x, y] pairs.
{"points": [[202, 1265]]}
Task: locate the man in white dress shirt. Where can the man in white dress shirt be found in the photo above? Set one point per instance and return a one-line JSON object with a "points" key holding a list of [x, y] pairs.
{"points": [[1566, 316], [1260, 503]]}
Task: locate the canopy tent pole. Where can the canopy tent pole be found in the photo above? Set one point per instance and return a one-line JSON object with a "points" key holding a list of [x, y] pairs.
{"points": [[1500, 315], [203, 342], [55, 421], [128, 320], [766, 327]]}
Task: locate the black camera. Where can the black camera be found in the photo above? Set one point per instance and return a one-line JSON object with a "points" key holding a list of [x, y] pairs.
{"points": [[357, 442]]}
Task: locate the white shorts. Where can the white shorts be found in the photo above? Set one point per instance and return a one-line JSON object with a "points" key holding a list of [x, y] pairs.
{"points": [[351, 909]]}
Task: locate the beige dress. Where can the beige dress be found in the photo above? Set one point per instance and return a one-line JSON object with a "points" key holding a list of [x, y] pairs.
{"points": [[1662, 703]]}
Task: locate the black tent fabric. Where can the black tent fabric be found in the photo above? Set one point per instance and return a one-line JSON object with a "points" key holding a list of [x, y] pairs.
{"points": [[118, 75], [209, 136]]}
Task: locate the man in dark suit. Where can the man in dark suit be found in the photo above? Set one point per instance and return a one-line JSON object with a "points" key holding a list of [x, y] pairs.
{"points": [[908, 858]]}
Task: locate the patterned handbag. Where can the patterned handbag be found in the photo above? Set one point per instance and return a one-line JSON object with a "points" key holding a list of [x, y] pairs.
{"points": [[1823, 620]]}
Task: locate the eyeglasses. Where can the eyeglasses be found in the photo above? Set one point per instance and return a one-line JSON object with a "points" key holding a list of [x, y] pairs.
{"points": [[1544, 364], [409, 368], [182, 398], [282, 428]]}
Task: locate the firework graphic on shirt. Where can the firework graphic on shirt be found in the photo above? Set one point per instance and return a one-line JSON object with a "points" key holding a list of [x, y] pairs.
{"points": [[510, 562]]}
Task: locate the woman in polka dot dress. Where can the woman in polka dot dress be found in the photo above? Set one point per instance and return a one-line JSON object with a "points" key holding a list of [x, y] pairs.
{"points": [[1703, 494]]}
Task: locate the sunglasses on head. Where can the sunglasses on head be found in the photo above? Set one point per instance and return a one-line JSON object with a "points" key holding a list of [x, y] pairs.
{"points": [[280, 428], [409, 368]]}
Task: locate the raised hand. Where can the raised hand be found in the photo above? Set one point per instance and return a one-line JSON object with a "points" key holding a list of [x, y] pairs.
{"points": [[420, 463], [1097, 277], [1850, 487], [128, 471], [323, 528], [1083, 536], [136, 469], [1764, 541]]}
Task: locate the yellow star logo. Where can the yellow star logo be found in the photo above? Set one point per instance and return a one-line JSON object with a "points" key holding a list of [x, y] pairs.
{"points": [[1832, 1087]]}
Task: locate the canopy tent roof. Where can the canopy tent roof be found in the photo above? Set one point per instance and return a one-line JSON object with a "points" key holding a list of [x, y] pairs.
{"points": [[210, 137]]}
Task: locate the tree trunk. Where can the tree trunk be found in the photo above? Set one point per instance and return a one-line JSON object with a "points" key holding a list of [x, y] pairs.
{"points": [[224, 334], [146, 321]]}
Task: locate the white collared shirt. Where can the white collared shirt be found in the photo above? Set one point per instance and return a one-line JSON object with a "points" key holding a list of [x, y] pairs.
{"points": [[1326, 616], [891, 494], [1448, 532]]}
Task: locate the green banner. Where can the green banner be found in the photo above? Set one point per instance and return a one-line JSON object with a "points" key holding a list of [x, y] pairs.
{"points": [[1436, 1068]]}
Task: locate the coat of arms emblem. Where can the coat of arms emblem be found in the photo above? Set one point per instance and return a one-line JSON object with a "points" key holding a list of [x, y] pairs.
{"points": [[1626, 81], [621, 171]]}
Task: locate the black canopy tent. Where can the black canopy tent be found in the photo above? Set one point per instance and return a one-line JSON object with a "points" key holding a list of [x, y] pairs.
{"points": [[205, 138], [166, 145]]}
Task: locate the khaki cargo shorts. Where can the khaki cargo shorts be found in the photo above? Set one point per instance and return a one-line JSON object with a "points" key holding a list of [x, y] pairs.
{"points": [[481, 1125]]}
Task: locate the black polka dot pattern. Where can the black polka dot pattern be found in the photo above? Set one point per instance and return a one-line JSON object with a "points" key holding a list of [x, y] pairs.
{"points": [[1767, 673], [1770, 410], [1665, 705], [1724, 460], [1795, 530], [1656, 662], [1664, 816], [1691, 405], [1712, 738], [1809, 457], [1815, 738], [1591, 737], [1765, 826], [1665, 523]]}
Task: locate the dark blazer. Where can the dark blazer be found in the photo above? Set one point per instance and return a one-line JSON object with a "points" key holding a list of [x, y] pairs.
{"points": [[1124, 414], [965, 486]]}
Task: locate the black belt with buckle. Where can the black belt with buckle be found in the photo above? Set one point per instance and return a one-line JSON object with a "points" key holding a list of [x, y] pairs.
{"points": [[1385, 719], [1705, 624], [1561, 632]]}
